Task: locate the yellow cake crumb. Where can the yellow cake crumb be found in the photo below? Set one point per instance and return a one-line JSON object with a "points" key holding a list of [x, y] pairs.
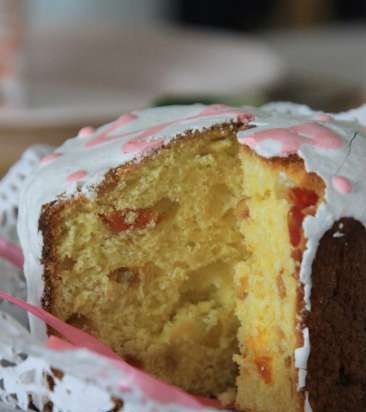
{"points": [[184, 266]]}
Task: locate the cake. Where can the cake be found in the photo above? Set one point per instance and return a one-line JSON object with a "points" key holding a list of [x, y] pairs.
{"points": [[220, 249]]}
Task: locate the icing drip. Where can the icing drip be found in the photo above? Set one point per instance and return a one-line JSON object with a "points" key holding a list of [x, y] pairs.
{"points": [[104, 136], [50, 158], [288, 141], [323, 117], [342, 184], [76, 176], [138, 145], [213, 110], [86, 131]]}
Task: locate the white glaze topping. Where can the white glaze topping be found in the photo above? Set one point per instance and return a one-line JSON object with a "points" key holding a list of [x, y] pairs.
{"points": [[334, 150]]}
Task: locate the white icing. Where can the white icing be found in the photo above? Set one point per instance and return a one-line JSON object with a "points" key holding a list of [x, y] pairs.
{"points": [[301, 358], [51, 179], [307, 406]]}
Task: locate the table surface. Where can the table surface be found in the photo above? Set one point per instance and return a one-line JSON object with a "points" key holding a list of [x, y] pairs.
{"points": [[333, 54], [336, 51]]}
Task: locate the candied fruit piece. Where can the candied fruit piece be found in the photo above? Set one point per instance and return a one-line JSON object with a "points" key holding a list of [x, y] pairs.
{"points": [[264, 368], [124, 275], [303, 198], [304, 201], [296, 254], [295, 219], [130, 219]]}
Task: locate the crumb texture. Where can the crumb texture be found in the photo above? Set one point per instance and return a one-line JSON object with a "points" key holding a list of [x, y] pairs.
{"points": [[336, 377], [187, 266], [148, 267]]}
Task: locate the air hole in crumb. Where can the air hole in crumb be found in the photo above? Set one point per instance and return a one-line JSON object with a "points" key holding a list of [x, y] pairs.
{"points": [[67, 263], [124, 275], [166, 208], [133, 275], [281, 286], [191, 245]]}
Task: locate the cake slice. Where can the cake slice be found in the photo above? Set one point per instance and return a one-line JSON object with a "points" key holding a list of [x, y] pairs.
{"points": [[222, 250]]}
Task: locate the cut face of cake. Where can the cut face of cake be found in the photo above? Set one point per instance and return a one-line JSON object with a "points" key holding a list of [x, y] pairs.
{"points": [[222, 250]]}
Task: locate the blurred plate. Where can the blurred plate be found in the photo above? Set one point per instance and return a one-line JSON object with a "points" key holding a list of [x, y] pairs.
{"points": [[87, 74]]}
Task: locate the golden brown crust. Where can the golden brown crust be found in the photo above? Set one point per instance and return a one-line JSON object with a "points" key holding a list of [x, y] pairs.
{"points": [[217, 131], [48, 225], [295, 168]]}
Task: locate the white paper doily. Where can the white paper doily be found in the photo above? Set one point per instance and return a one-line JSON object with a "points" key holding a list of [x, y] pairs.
{"points": [[11, 279]]}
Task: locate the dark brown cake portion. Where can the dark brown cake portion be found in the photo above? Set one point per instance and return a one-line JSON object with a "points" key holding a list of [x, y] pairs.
{"points": [[336, 378]]}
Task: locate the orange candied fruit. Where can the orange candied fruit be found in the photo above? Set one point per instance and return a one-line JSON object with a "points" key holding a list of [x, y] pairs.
{"points": [[303, 198], [303, 201], [264, 368], [130, 219], [295, 219]]}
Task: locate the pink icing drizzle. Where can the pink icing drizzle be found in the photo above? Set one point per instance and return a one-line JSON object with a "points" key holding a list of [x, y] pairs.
{"points": [[323, 117], [342, 184], [153, 129], [86, 131], [221, 109], [72, 334], [292, 138], [76, 176], [50, 158], [137, 145], [152, 387], [120, 122], [212, 110]]}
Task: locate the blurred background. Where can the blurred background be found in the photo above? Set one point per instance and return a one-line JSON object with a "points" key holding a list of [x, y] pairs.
{"points": [[65, 64]]}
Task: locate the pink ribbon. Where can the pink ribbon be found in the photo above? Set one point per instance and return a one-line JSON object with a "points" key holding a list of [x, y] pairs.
{"points": [[75, 338], [11, 252]]}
